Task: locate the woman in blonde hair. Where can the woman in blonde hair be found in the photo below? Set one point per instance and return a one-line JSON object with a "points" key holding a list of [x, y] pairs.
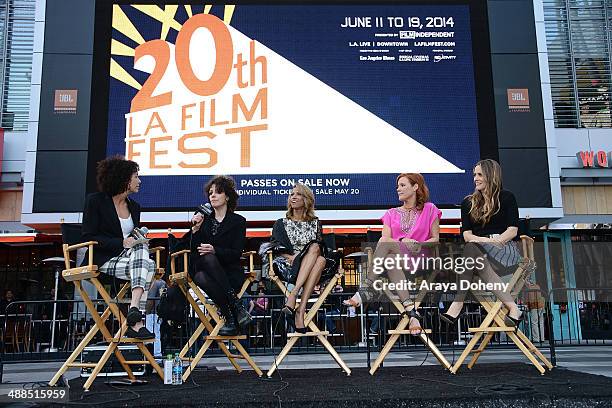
{"points": [[489, 223], [299, 235]]}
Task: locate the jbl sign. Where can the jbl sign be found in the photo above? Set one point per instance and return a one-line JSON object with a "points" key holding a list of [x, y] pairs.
{"points": [[65, 101], [518, 100]]}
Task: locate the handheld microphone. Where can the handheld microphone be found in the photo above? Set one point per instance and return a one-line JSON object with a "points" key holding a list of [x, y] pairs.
{"points": [[204, 209], [140, 233]]}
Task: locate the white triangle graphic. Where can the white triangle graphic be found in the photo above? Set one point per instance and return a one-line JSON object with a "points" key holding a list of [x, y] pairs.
{"points": [[311, 127]]}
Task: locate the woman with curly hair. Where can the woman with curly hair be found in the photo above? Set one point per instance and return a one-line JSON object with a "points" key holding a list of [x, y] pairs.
{"points": [[405, 228], [109, 218], [217, 242], [489, 222]]}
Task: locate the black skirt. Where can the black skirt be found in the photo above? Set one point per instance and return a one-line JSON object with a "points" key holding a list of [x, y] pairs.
{"points": [[289, 273]]}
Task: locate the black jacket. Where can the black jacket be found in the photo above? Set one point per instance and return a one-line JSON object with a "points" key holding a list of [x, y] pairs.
{"points": [[101, 224], [228, 242]]}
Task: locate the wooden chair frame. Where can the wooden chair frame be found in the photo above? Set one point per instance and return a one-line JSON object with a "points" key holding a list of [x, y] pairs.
{"points": [[184, 282], [90, 272], [401, 328], [308, 320], [494, 322]]}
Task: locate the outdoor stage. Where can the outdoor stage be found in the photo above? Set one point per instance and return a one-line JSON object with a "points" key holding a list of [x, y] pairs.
{"points": [[487, 385]]}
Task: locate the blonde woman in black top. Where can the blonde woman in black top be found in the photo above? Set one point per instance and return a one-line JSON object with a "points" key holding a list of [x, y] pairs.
{"points": [[301, 259], [489, 223]]}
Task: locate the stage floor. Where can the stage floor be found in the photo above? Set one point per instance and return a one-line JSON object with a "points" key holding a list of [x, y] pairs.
{"points": [[487, 385]]}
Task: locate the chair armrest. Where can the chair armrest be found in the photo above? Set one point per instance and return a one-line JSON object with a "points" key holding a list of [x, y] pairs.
{"points": [[251, 256], [67, 248], [157, 251], [80, 245], [174, 255], [181, 252]]}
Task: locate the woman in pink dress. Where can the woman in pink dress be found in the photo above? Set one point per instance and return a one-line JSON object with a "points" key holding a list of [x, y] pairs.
{"points": [[405, 228]]}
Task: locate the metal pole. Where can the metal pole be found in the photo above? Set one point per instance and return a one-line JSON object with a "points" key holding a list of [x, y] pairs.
{"points": [[52, 348], [368, 340]]}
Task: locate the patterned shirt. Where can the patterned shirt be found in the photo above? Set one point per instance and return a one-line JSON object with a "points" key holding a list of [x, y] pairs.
{"points": [[300, 233]]}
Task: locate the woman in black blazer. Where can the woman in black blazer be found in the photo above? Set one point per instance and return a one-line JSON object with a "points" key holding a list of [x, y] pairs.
{"points": [[217, 242], [109, 218]]}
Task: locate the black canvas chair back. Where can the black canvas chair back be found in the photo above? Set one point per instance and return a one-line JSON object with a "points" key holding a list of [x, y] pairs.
{"points": [[524, 227], [330, 241], [71, 233], [373, 236]]}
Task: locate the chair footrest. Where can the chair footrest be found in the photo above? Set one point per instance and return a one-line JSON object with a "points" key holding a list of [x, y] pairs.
{"points": [[406, 331], [237, 356], [129, 340], [491, 329], [123, 301], [136, 362], [237, 337], [182, 277], [80, 273], [309, 334], [82, 365]]}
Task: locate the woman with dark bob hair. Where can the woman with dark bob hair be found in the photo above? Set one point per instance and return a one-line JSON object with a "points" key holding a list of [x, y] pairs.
{"points": [[109, 218], [217, 242]]}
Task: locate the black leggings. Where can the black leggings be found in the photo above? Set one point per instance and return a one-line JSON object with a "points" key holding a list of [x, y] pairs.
{"points": [[212, 278]]}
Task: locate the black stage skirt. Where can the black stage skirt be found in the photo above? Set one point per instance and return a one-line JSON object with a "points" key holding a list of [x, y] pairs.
{"points": [[289, 273]]}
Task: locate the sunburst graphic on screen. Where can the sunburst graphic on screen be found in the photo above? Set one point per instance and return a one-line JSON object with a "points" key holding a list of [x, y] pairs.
{"points": [[166, 17]]}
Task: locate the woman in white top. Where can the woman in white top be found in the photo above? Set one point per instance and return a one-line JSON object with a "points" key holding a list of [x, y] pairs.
{"points": [[109, 218]]}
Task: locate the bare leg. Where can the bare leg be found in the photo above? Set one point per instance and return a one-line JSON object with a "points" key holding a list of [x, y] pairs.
{"points": [[313, 279], [487, 274], [308, 261], [385, 247]]}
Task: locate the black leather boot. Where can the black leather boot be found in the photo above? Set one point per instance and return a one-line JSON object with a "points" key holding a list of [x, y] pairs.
{"points": [[229, 326], [243, 318]]}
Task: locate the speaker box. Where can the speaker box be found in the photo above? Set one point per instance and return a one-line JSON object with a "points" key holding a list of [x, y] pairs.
{"points": [[112, 368]]}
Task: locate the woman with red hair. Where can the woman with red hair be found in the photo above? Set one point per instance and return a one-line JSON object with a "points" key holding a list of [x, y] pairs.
{"points": [[415, 222]]}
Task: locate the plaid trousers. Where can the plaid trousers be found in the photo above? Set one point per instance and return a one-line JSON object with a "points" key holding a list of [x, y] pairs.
{"points": [[132, 264]]}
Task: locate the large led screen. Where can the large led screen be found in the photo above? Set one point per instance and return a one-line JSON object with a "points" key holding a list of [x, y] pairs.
{"points": [[340, 97]]}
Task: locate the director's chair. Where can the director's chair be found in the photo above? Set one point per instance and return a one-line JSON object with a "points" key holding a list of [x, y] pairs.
{"points": [[494, 322], [401, 328], [90, 273], [184, 282], [292, 338]]}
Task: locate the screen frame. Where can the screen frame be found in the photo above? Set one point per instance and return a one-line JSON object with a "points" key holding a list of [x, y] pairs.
{"points": [[482, 66]]}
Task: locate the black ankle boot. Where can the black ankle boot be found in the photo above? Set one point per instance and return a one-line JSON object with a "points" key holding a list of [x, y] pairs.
{"points": [[243, 318], [229, 326]]}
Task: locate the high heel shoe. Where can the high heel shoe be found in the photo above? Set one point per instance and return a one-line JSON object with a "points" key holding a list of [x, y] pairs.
{"points": [[452, 320], [301, 330], [412, 313], [287, 311], [516, 322]]}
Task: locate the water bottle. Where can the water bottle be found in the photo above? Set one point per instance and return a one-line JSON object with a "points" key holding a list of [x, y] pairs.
{"points": [[177, 370], [168, 369], [351, 311]]}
